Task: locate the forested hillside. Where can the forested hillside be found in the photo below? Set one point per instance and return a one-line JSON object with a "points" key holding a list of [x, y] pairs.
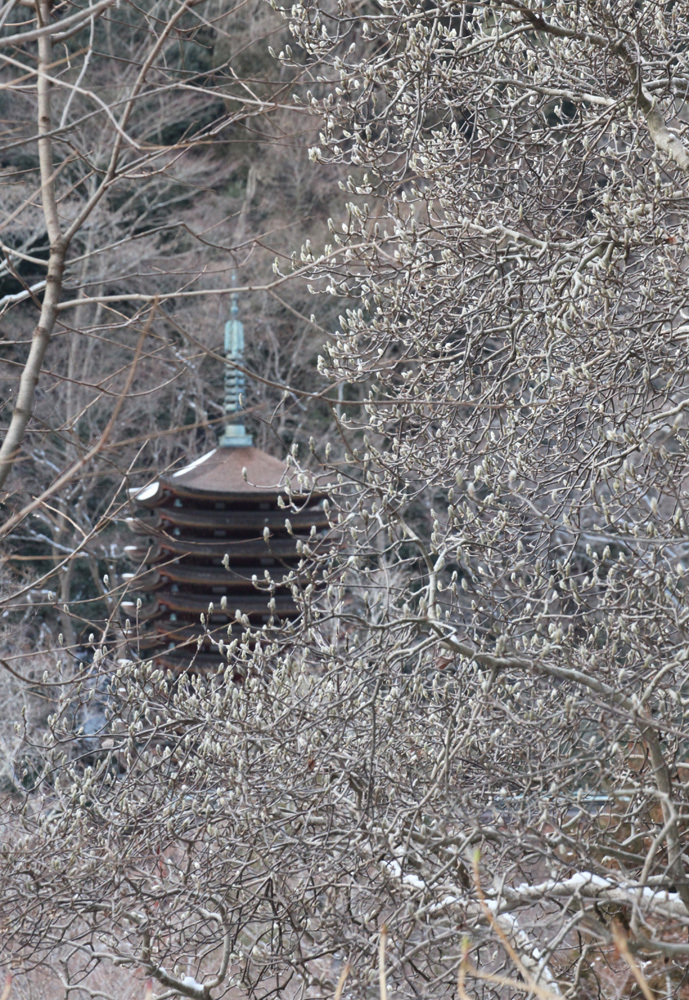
{"points": [[209, 187], [459, 235]]}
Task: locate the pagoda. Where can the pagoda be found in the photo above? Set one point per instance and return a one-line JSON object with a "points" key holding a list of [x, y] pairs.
{"points": [[215, 543]]}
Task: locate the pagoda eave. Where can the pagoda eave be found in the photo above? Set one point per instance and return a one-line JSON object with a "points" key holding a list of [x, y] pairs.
{"points": [[214, 535]]}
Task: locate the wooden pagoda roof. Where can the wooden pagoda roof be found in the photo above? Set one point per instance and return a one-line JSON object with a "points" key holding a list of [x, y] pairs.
{"points": [[220, 475], [236, 521], [207, 535], [241, 550], [230, 580]]}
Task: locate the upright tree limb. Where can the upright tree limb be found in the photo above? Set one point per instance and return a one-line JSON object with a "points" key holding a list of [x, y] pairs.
{"points": [[23, 408]]}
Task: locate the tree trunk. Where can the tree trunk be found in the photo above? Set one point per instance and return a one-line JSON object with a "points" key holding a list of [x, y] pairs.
{"points": [[23, 408]]}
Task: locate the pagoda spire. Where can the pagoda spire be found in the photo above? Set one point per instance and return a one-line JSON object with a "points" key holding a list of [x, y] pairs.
{"points": [[235, 434]]}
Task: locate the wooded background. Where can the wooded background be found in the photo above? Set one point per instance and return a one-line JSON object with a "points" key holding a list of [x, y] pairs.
{"points": [[459, 235]]}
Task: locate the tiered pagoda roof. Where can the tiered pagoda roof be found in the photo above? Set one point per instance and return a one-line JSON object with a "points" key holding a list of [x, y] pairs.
{"points": [[212, 535]]}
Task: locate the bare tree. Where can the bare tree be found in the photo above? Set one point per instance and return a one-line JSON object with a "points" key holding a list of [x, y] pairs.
{"points": [[478, 729], [156, 192]]}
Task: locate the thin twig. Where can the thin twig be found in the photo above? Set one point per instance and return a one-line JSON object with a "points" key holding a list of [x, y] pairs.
{"points": [[381, 963], [620, 939], [341, 981]]}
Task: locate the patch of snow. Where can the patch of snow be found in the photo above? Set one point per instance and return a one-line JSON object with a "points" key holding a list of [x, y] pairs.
{"points": [[144, 494], [192, 983], [192, 465], [578, 881], [416, 883], [20, 296], [591, 886], [531, 955]]}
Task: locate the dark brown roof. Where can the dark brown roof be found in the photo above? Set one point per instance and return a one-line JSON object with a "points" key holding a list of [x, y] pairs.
{"points": [[241, 550], [236, 521], [208, 577], [219, 475], [224, 505], [191, 604], [220, 471]]}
